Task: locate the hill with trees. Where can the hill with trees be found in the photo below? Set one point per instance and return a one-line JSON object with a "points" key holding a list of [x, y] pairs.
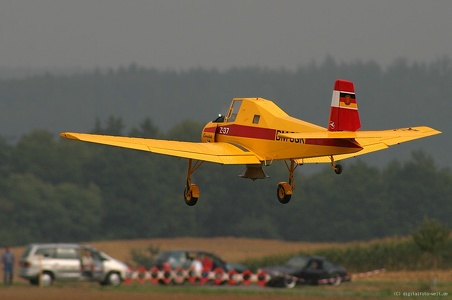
{"points": [[400, 95]]}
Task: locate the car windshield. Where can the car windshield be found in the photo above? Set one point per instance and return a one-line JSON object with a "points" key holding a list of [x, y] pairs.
{"points": [[96, 254], [170, 256], [297, 261]]}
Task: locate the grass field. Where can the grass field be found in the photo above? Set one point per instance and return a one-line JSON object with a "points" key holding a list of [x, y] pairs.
{"points": [[387, 284]]}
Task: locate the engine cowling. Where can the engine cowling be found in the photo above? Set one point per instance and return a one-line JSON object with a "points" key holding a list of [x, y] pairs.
{"points": [[208, 133]]}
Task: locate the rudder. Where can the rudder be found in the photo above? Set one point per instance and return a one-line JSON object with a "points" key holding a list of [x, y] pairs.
{"points": [[344, 109]]}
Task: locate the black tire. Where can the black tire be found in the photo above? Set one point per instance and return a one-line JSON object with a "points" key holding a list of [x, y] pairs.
{"points": [[338, 169], [189, 199], [113, 279], [46, 278], [290, 283], [335, 279], [281, 194]]}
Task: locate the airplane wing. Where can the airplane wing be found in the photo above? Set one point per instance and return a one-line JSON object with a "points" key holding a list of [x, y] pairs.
{"points": [[221, 153], [370, 140]]}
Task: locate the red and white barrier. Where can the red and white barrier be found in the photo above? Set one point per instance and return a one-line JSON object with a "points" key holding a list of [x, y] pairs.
{"points": [[367, 274], [218, 276], [166, 275]]}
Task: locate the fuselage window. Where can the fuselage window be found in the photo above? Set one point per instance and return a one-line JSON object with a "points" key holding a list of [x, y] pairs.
{"points": [[234, 110], [256, 119]]}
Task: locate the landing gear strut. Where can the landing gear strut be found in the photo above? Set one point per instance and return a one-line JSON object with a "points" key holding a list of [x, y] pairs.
{"points": [[285, 190], [191, 191], [337, 168]]}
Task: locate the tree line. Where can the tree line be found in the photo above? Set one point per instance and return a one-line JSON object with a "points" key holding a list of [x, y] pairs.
{"points": [[400, 95], [54, 189]]}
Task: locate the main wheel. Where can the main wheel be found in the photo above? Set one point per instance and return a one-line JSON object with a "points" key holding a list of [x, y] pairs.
{"points": [[188, 197], [284, 192], [338, 169]]}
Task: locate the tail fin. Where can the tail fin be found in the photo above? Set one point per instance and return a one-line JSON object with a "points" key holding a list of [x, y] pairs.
{"points": [[344, 109]]}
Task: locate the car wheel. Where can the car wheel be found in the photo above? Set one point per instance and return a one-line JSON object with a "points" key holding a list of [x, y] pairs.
{"points": [[46, 279], [335, 279], [290, 282], [113, 279]]}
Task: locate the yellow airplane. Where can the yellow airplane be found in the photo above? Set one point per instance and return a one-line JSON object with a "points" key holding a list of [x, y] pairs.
{"points": [[256, 132]]}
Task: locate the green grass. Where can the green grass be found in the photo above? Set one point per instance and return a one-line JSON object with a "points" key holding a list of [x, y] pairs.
{"points": [[366, 289]]}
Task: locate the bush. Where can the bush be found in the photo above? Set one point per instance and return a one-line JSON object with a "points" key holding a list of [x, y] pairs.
{"points": [[393, 254]]}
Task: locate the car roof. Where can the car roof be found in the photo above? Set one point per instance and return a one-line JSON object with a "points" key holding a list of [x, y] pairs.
{"points": [[53, 245], [318, 257], [188, 250], [49, 245]]}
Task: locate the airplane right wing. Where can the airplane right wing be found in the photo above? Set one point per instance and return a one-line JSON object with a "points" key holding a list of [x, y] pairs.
{"points": [[221, 153]]}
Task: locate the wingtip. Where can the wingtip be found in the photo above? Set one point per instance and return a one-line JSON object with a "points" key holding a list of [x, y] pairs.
{"points": [[68, 135], [432, 131]]}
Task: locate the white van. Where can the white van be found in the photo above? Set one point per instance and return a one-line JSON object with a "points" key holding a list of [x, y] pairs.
{"points": [[50, 262]]}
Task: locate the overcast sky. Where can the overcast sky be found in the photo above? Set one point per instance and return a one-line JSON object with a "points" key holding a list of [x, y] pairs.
{"points": [[178, 35]]}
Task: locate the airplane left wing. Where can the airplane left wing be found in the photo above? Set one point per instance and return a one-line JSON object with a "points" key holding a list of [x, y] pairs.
{"points": [[371, 141], [393, 136], [221, 153]]}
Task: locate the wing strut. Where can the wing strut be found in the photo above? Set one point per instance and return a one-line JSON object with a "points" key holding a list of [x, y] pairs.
{"points": [[191, 192]]}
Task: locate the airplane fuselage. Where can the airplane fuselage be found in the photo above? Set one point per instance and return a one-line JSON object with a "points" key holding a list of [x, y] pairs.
{"points": [[255, 124]]}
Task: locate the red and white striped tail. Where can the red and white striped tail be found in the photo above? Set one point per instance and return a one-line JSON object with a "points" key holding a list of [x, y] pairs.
{"points": [[344, 109]]}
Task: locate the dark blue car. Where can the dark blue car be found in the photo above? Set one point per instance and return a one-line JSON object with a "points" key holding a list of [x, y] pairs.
{"points": [[306, 269]]}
